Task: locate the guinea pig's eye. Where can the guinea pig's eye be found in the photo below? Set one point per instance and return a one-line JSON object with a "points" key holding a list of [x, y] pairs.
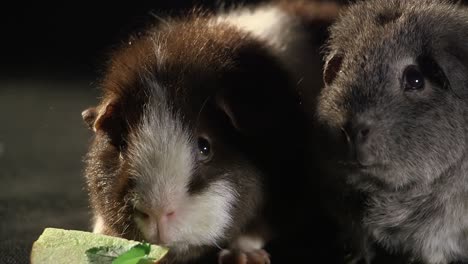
{"points": [[413, 79], [204, 149]]}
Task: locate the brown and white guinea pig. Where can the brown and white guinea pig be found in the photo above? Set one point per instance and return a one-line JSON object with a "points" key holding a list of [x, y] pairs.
{"points": [[199, 133]]}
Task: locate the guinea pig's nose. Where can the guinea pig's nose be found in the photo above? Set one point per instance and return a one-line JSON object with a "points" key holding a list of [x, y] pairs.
{"points": [[155, 222], [154, 215], [361, 133], [357, 132]]}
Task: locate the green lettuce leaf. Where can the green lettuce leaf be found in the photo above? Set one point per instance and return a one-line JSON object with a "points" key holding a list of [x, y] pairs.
{"points": [[137, 254]]}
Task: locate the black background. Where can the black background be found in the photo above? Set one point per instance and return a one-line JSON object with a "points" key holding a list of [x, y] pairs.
{"points": [[43, 39], [62, 39]]}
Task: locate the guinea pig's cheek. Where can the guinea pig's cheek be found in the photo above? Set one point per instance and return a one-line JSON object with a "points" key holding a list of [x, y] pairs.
{"points": [[205, 217]]}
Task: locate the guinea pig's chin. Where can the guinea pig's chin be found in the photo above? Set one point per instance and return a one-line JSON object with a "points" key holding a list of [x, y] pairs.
{"points": [[179, 247], [378, 179], [370, 178], [358, 177]]}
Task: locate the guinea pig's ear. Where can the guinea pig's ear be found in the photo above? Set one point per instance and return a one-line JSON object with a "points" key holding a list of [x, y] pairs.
{"points": [[106, 119], [455, 67], [332, 67], [236, 111], [257, 94], [249, 112], [89, 117]]}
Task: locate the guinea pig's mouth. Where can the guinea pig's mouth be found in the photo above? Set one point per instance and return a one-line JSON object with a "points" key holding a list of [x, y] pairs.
{"points": [[179, 246], [176, 246]]}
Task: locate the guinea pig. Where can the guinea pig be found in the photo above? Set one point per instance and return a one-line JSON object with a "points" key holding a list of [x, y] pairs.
{"points": [[199, 134], [395, 107]]}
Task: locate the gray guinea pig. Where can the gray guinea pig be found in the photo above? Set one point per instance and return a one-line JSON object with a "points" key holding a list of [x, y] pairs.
{"points": [[396, 106], [188, 150]]}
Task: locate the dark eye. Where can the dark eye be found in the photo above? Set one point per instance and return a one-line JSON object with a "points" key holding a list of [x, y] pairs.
{"points": [[204, 148], [413, 79]]}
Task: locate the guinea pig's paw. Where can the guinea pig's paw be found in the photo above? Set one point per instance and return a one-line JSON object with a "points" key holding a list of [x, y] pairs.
{"points": [[258, 256]]}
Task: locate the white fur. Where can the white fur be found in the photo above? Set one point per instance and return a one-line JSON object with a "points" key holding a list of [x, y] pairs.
{"points": [[283, 32], [159, 50], [268, 23], [162, 156], [205, 217], [98, 225], [249, 243]]}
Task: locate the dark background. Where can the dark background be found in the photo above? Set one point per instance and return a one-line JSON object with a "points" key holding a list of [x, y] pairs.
{"points": [[42, 40], [64, 39]]}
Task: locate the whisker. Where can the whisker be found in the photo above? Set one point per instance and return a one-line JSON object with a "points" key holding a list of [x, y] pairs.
{"points": [[202, 107], [159, 18], [217, 245]]}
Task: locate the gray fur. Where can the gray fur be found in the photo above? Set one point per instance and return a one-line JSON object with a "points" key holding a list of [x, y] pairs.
{"points": [[416, 189]]}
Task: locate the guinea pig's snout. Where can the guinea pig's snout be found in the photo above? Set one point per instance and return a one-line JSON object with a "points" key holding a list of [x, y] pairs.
{"points": [[361, 133], [359, 136], [154, 223]]}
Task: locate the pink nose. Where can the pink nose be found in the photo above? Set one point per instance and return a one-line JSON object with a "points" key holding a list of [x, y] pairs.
{"points": [[155, 223], [148, 213]]}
